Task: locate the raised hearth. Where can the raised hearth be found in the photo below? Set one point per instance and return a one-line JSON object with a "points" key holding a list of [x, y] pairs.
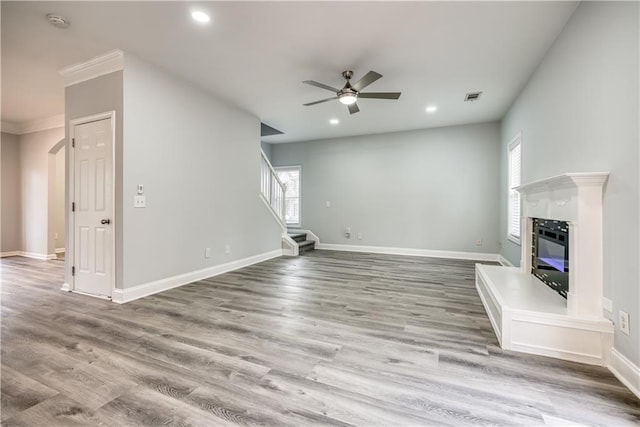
{"points": [[528, 316]]}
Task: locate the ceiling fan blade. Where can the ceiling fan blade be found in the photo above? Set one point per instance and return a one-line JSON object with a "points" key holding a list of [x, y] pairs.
{"points": [[368, 78], [320, 102], [321, 85], [380, 95], [353, 108]]}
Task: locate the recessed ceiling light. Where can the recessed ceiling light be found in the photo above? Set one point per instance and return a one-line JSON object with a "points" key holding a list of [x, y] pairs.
{"points": [[334, 121], [200, 16], [432, 109]]}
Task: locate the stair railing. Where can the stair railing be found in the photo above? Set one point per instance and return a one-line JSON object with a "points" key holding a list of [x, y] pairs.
{"points": [[272, 189]]}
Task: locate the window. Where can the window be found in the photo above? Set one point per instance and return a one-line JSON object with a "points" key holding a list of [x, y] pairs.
{"points": [[514, 159], [290, 177]]}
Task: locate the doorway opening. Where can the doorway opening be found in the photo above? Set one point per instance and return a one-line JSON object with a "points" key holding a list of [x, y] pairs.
{"points": [[56, 216]]}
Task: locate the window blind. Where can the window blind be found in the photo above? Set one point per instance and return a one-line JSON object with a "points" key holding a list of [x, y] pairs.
{"points": [[515, 162]]}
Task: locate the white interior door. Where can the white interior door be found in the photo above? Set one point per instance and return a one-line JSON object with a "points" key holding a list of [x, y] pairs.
{"points": [[93, 198]]}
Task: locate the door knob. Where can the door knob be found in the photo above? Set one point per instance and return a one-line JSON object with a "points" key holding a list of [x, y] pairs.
{"points": [[105, 221]]}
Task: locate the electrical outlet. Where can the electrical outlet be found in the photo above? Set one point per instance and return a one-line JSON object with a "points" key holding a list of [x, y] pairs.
{"points": [[207, 252], [227, 249], [479, 242], [139, 202], [359, 236], [623, 322], [347, 232]]}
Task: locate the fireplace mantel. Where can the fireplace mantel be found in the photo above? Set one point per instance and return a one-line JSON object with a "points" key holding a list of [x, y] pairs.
{"points": [[576, 198], [566, 180], [573, 329]]}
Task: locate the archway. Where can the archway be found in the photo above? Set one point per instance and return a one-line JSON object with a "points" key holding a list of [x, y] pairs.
{"points": [[56, 219]]}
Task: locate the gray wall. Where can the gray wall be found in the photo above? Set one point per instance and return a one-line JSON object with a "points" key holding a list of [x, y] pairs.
{"points": [[35, 186], [266, 148], [59, 200], [199, 162], [429, 189], [84, 99], [10, 179], [581, 105]]}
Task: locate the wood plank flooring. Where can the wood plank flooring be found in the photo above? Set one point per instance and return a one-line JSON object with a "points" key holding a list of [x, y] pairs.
{"points": [[329, 338]]}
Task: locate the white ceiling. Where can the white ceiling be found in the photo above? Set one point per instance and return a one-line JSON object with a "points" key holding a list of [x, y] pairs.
{"points": [[256, 55]]}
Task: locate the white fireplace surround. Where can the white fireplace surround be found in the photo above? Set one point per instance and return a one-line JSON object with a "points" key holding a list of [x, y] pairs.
{"points": [[525, 313]]}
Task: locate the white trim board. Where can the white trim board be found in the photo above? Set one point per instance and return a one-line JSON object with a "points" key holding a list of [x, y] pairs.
{"points": [[625, 371], [121, 296], [52, 122], [11, 253], [474, 256], [32, 255], [505, 262], [99, 66]]}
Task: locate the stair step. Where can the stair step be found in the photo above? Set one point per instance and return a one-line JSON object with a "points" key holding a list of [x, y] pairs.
{"points": [[306, 246], [298, 237]]}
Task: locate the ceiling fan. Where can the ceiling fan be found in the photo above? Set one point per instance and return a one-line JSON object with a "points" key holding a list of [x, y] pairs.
{"points": [[349, 94]]}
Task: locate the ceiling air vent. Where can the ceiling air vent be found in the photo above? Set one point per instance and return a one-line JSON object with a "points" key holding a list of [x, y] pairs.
{"points": [[58, 21], [472, 96]]}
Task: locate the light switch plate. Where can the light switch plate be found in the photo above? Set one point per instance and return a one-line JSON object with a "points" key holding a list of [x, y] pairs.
{"points": [[139, 202]]}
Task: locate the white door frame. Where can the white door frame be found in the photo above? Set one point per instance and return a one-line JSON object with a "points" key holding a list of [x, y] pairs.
{"points": [[70, 255]]}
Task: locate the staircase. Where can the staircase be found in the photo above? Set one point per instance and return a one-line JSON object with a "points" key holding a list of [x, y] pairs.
{"points": [[272, 191], [304, 245]]}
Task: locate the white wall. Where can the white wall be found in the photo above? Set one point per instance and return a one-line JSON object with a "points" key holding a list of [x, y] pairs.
{"points": [[199, 162], [10, 228], [579, 113], [431, 189], [34, 189]]}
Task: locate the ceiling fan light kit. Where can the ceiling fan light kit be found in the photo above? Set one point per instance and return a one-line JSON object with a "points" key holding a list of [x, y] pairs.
{"points": [[349, 94], [348, 98]]}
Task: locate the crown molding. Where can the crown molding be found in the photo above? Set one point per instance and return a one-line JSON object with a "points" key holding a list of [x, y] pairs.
{"points": [[12, 128], [95, 67], [53, 122]]}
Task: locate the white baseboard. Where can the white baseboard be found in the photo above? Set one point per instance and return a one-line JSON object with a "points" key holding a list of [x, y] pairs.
{"points": [[121, 296], [66, 287], [60, 250], [11, 253], [625, 371], [34, 255], [476, 256], [505, 262]]}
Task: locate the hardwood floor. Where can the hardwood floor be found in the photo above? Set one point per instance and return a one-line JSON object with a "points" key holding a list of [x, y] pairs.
{"points": [[327, 338]]}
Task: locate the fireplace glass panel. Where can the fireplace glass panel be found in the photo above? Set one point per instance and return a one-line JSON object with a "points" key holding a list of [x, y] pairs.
{"points": [[550, 255]]}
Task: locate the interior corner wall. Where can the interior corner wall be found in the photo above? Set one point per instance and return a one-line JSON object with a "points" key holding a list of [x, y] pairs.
{"points": [[59, 200], [432, 189], [580, 112], [10, 228], [199, 162], [266, 149], [99, 95], [35, 188]]}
